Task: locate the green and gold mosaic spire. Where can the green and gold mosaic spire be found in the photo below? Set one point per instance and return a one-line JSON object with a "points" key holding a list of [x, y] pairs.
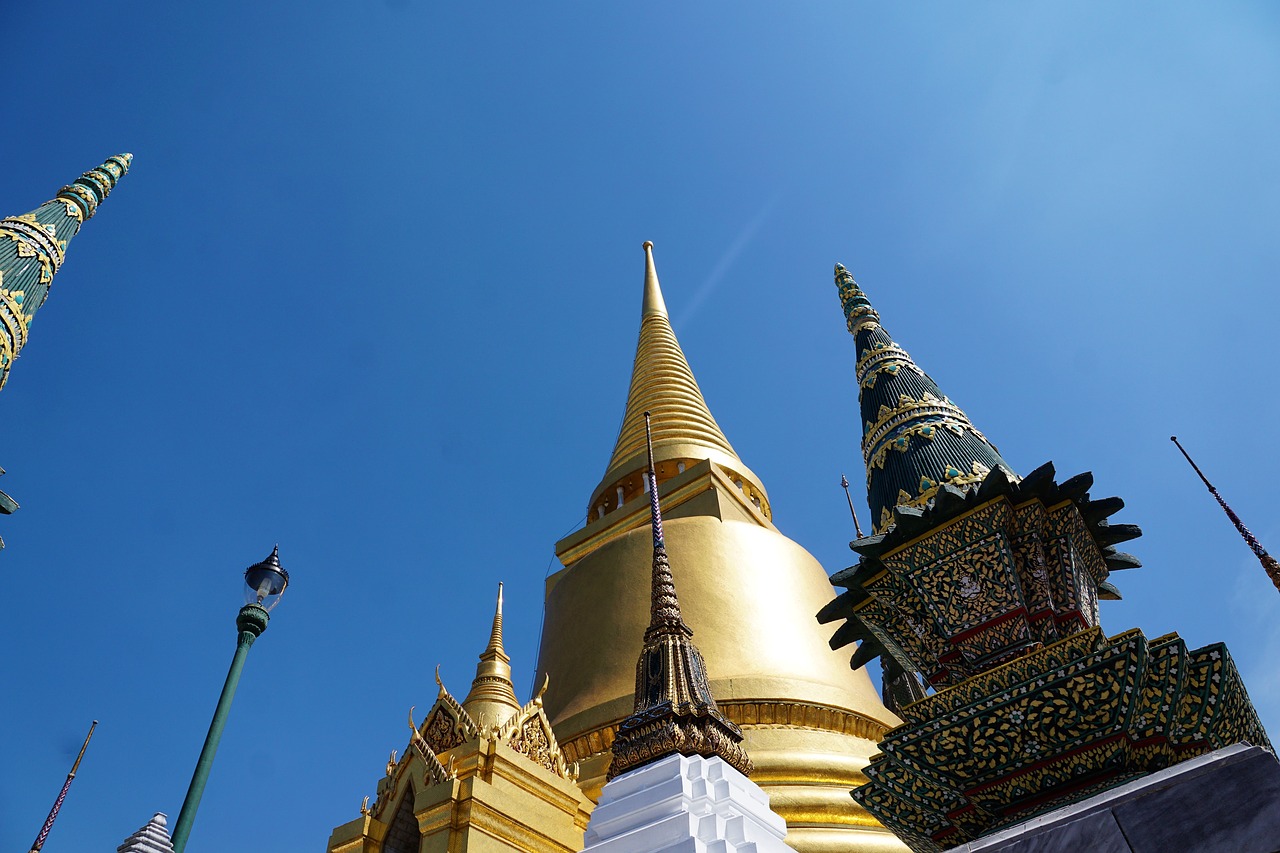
{"points": [[914, 439], [33, 246], [987, 585]]}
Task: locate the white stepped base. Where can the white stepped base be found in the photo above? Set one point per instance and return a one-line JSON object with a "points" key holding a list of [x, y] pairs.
{"points": [[685, 804], [152, 838]]}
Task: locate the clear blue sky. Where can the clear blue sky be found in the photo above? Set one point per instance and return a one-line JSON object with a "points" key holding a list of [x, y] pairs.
{"points": [[372, 288]]}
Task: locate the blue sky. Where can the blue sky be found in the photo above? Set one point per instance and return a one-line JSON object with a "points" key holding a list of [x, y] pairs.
{"points": [[372, 287]]}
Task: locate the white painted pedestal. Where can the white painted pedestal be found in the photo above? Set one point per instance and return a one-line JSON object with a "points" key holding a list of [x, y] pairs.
{"points": [[684, 804]]}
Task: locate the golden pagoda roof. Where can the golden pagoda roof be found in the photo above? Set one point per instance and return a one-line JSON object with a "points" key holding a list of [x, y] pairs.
{"points": [[663, 384]]}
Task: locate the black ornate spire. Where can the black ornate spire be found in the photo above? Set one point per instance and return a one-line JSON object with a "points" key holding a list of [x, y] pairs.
{"points": [[674, 709], [914, 440]]}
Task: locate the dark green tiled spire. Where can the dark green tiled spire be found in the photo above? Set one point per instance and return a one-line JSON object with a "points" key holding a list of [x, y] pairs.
{"points": [[33, 245], [913, 438]]}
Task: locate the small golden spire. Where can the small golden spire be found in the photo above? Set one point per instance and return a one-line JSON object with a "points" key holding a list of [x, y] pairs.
{"points": [[492, 700]]}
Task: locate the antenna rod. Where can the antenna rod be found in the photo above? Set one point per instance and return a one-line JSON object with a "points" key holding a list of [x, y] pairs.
{"points": [[62, 795], [1269, 564], [844, 482]]}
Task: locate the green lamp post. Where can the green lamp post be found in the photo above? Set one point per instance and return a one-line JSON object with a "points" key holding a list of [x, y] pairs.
{"points": [[264, 583]]}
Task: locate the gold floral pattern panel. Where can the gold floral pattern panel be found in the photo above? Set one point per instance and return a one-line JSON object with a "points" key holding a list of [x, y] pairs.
{"points": [[1030, 520], [1063, 574], [441, 730], [532, 740], [906, 623]]}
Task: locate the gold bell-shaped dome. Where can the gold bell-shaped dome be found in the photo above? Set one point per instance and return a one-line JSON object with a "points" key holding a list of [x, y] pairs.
{"points": [[749, 594]]}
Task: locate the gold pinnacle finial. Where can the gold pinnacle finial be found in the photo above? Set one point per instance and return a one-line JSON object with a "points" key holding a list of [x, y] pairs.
{"points": [[492, 700], [653, 301], [495, 636]]}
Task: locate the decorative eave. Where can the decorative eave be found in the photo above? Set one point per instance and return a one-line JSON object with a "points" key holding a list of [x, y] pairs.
{"points": [[882, 605], [910, 523]]}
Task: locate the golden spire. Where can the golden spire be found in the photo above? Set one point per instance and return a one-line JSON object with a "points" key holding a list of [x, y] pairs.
{"points": [[661, 383], [495, 633], [492, 700]]}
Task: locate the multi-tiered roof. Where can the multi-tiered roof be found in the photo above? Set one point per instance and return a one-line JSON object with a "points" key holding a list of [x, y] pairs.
{"points": [[986, 585]]}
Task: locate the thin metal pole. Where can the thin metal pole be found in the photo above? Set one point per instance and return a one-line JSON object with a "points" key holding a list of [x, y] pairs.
{"points": [[252, 621], [844, 483], [62, 795], [1269, 564]]}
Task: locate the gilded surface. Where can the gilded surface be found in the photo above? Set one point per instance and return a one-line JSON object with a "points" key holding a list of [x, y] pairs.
{"points": [[684, 430], [533, 740], [442, 729], [808, 722], [462, 781]]}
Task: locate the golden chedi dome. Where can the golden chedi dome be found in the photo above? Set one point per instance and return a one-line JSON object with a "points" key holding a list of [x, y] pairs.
{"points": [[749, 594]]}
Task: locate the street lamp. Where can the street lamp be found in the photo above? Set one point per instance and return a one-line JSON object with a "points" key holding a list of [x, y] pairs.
{"points": [[264, 583]]}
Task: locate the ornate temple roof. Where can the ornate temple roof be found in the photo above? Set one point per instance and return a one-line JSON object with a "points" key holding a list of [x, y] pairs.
{"points": [[675, 712], [33, 246], [914, 439], [662, 383], [486, 771]]}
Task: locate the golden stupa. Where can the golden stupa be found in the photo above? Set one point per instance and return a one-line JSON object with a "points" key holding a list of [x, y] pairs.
{"points": [[749, 593]]}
